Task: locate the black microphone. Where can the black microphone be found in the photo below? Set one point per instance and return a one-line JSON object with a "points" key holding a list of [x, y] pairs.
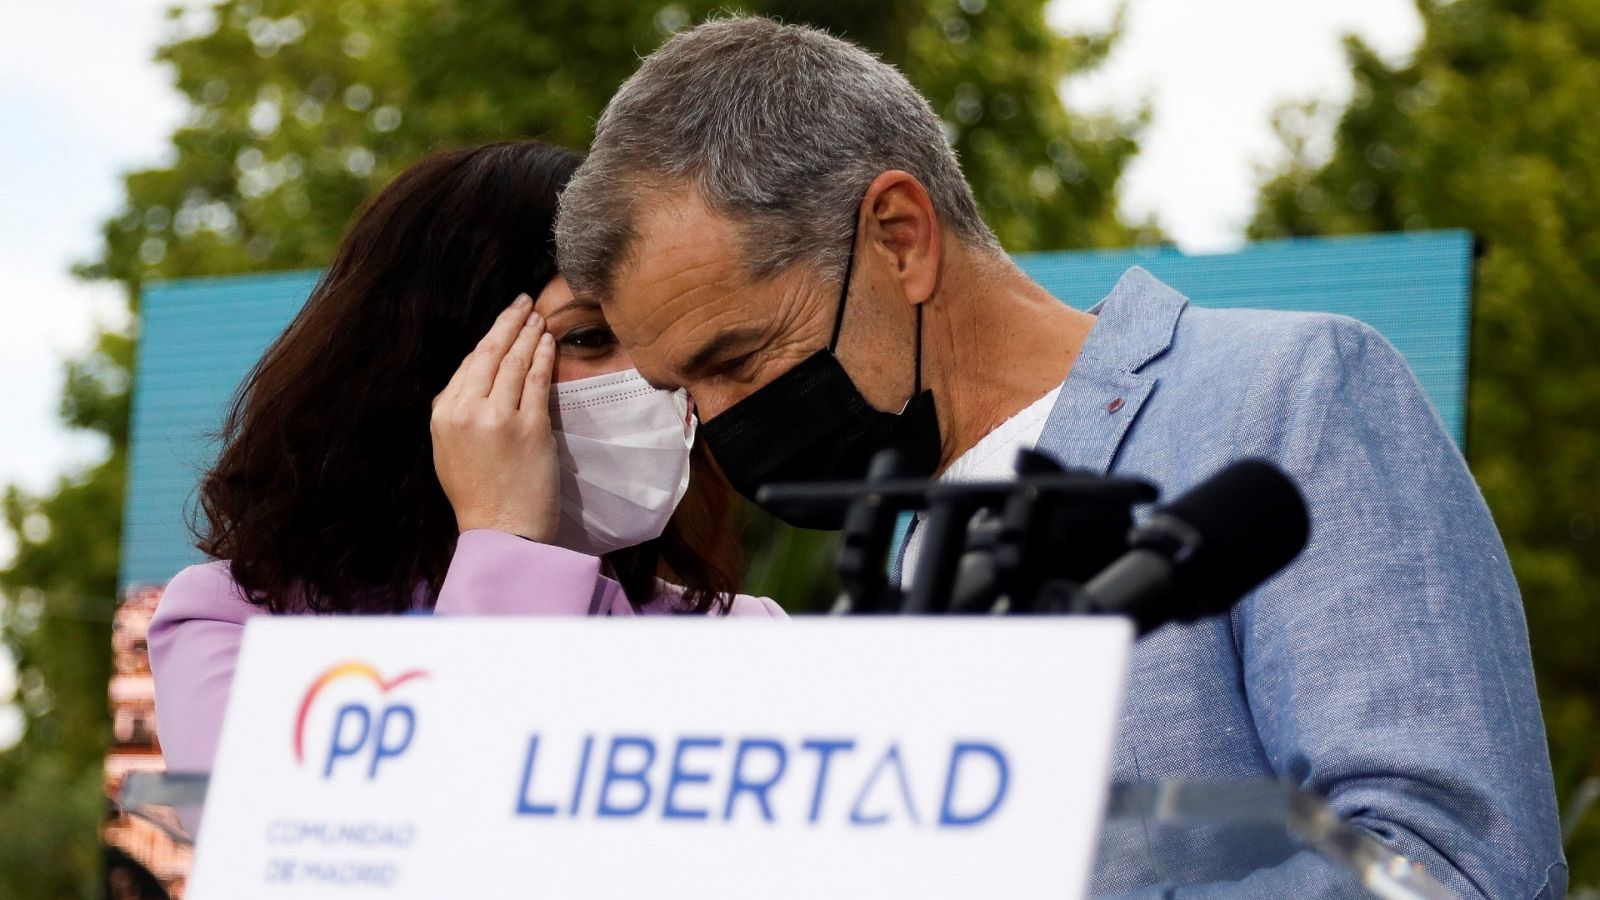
{"points": [[1197, 556]]}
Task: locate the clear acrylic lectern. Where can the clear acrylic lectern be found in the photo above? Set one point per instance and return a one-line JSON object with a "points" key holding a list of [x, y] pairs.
{"points": [[1234, 839]]}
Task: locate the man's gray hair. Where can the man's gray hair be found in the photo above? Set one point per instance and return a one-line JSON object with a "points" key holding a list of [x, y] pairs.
{"points": [[781, 128]]}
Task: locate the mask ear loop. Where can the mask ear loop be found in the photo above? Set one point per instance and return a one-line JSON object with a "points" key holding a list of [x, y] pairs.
{"points": [[844, 288], [918, 388], [844, 295]]}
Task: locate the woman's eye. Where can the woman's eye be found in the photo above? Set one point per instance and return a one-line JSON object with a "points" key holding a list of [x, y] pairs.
{"points": [[589, 339]]}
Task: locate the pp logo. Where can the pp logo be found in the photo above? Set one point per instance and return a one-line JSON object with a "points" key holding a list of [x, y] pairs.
{"points": [[365, 729]]}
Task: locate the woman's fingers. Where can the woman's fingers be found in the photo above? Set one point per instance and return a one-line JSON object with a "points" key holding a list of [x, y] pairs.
{"points": [[513, 366], [498, 466], [536, 384], [476, 376]]}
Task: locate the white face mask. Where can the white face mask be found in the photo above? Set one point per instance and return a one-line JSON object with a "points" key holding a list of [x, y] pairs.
{"points": [[623, 448]]}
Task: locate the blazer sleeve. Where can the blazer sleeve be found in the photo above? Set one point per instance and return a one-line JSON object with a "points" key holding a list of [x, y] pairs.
{"points": [[1388, 667], [496, 573], [194, 644], [195, 634]]}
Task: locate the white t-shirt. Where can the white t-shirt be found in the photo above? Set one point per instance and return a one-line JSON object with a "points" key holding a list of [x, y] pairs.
{"points": [[994, 458]]}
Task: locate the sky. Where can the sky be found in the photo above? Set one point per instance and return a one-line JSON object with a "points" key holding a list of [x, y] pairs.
{"points": [[1213, 71], [83, 101]]}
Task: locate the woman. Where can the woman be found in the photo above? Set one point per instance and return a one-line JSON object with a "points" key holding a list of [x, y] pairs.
{"points": [[400, 447]]}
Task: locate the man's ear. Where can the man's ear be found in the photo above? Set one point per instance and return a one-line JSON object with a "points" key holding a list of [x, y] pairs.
{"points": [[903, 227]]}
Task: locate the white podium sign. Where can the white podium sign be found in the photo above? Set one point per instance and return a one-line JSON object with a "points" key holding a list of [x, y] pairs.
{"points": [[418, 757]]}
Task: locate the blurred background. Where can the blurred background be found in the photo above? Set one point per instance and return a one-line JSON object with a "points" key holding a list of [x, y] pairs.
{"points": [[144, 141]]}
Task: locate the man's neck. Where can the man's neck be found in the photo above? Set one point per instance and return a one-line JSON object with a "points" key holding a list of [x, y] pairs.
{"points": [[997, 342]]}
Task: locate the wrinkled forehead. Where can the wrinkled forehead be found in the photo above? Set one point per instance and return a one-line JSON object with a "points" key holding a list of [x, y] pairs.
{"points": [[682, 274]]}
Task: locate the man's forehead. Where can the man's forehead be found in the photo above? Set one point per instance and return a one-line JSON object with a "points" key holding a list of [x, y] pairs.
{"points": [[683, 262], [684, 304], [674, 231]]}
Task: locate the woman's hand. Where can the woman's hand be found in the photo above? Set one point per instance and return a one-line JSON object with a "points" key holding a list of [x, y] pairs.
{"points": [[492, 446]]}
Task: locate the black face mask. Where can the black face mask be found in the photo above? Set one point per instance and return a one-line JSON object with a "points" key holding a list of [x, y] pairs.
{"points": [[811, 424]]}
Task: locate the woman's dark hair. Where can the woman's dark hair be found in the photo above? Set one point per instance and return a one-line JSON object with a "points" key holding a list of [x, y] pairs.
{"points": [[324, 496]]}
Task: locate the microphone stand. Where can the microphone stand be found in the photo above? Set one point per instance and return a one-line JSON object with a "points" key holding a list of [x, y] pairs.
{"points": [[869, 527], [987, 547]]}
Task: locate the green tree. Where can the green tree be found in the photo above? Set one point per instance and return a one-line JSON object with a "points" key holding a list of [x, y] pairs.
{"points": [[55, 617], [298, 111], [1492, 127]]}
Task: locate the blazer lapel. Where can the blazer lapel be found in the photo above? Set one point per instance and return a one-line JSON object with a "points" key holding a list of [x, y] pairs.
{"points": [[1105, 390]]}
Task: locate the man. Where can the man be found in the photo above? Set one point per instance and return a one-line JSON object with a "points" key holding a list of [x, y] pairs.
{"points": [[772, 219]]}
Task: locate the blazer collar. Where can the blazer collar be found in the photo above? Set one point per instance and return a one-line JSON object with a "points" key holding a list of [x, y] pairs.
{"points": [[1106, 389]]}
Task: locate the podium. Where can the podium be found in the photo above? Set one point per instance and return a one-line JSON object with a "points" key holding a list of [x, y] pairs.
{"points": [[1255, 838], [1235, 839]]}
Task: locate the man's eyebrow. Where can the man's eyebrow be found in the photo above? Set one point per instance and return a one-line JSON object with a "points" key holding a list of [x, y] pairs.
{"points": [[712, 350]]}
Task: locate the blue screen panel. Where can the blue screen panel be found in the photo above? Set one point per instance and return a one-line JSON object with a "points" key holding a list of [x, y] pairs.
{"points": [[200, 338], [1414, 288]]}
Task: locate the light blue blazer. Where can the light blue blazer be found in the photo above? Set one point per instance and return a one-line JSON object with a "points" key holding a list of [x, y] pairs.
{"points": [[1387, 668]]}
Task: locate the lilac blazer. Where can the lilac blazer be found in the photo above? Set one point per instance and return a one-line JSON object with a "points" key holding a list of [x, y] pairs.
{"points": [[195, 634]]}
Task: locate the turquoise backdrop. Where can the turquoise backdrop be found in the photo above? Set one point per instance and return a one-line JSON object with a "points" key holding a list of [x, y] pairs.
{"points": [[200, 337]]}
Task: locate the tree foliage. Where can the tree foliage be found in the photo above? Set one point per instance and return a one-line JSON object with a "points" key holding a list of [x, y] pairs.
{"points": [[55, 618], [1492, 127], [298, 110]]}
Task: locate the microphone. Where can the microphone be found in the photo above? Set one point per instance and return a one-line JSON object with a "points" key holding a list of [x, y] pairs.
{"points": [[1197, 556]]}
